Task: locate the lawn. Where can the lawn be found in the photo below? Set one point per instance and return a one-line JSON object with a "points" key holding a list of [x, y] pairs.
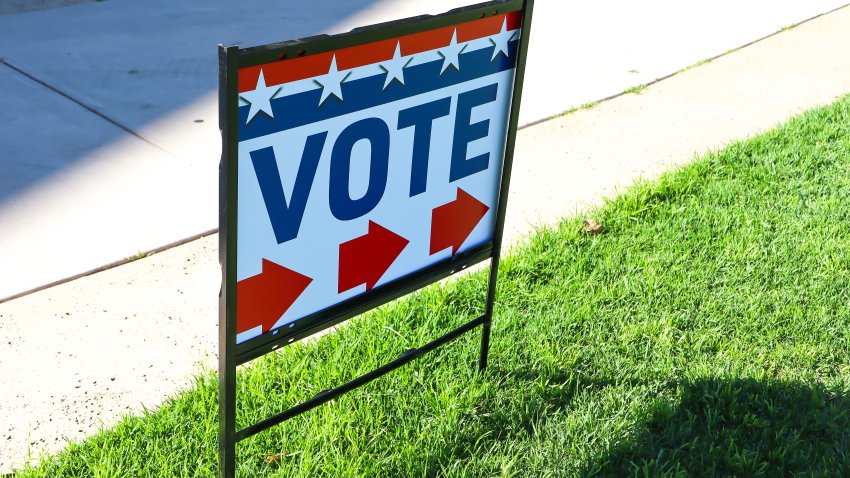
{"points": [[705, 333]]}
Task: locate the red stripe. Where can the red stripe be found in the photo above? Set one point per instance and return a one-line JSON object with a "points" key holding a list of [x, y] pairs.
{"points": [[318, 64]]}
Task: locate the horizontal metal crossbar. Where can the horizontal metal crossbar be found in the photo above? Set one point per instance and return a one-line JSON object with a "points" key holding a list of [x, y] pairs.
{"points": [[328, 395]]}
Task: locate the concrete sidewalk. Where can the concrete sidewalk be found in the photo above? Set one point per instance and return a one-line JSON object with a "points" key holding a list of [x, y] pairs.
{"points": [[110, 143], [81, 354]]}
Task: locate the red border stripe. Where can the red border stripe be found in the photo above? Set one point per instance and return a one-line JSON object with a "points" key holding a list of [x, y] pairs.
{"points": [[347, 58]]}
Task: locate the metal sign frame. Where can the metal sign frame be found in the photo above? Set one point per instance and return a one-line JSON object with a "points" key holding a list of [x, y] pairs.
{"points": [[231, 354]]}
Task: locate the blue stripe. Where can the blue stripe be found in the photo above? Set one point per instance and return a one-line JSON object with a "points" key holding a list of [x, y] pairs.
{"points": [[303, 108]]}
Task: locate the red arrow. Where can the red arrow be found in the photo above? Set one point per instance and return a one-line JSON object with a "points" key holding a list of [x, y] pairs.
{"points": [[453, 222], [367, 258], [262, 299]]}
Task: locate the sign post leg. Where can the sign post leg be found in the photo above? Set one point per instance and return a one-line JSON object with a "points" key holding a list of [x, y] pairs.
{"points": [[227, 422], [488, 312], [527, 8], [227, 257]]}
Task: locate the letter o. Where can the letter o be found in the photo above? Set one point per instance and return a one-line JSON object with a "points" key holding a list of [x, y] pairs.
{"points": [[342, 205]]}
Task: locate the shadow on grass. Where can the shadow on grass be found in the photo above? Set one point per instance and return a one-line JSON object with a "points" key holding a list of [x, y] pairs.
{"points": [[740, 427]]}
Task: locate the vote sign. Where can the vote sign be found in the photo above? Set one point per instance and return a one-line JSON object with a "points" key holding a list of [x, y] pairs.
{"points": [[363, 160]]}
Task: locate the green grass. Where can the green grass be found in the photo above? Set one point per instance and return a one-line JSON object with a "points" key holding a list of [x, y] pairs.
{"points": [[706, 333], [696, 65], [585, 106], [136, 256], [635, 90], [591, 104]]}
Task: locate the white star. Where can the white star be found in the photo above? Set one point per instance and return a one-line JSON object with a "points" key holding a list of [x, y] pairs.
{"points": [[450, 54], [395, 67], [260, 98], [332, 82], [501, 39]]}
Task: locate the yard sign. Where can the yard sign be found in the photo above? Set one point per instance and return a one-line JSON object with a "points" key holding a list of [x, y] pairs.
{"points": [[357, 168]]}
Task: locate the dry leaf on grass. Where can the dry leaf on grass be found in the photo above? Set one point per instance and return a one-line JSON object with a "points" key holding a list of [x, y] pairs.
{"points": [[593, 227], [274, 458]]}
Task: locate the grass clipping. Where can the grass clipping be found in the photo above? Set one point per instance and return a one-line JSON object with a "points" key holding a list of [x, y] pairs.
{"points": [[706, 332]]}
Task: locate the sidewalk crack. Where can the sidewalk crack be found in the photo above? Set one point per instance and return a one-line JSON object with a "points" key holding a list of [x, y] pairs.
{"points": [[81, 103]]}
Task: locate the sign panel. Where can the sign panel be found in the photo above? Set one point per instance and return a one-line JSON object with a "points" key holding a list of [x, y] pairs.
{"points": [[365, 164], [357, 168]]}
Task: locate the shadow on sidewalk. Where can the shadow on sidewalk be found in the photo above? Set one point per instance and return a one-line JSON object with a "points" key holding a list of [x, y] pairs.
{"points": [[134, 64]]}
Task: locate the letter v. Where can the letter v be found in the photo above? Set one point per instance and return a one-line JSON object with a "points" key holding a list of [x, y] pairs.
{"points": [[286, 216]]}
